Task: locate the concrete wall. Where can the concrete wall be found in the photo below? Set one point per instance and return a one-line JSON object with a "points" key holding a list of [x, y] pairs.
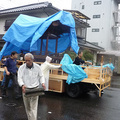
{"points": [[4, 18], [80, 32], [104, 23], [106, 60], [118, 65], [94, 58]]}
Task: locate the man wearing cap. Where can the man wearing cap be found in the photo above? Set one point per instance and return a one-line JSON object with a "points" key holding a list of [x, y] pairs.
{"points": [[46, 67]]}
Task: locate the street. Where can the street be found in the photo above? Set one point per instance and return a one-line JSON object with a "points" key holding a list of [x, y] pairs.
{"points": [[56, 106], [70, 47]]}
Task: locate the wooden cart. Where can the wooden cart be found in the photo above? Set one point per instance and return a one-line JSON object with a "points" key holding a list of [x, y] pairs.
{"points": [[1, 73], [99, 76]]}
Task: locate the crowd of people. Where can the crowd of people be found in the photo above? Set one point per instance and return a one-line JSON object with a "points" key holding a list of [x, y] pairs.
{"points": [[29, 76]]}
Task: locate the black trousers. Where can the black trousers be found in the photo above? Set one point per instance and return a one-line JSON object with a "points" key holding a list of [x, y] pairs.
{"points": [[14, 81]]}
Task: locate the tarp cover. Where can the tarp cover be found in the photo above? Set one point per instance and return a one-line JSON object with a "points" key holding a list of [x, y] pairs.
{"points": [[75, 72], [25, 32], [110, 65]]}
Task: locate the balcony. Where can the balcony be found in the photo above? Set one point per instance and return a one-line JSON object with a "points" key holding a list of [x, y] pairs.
{"points": [[118, 1], [116, 30], [117, 16]]}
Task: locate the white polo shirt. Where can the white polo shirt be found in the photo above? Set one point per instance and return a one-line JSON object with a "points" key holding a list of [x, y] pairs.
{"points": [[30, 77]]}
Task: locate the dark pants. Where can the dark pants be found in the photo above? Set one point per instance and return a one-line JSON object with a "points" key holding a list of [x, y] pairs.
{"points": [[15, 84], [3, 81]]}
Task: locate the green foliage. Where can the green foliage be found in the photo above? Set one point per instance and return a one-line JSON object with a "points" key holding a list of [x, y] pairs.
{"points": [[70, 53], [87, 55]]}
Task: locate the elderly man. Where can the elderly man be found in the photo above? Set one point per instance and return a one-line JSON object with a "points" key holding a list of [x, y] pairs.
{"points": [[30, 76]]}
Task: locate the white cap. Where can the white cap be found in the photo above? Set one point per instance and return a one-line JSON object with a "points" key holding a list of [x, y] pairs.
{"points": [[48, 59]]}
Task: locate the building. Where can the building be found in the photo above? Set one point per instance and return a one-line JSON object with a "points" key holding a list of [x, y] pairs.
{"points": [[5, 4], [104, 15], [7, 16], [45, 9]]}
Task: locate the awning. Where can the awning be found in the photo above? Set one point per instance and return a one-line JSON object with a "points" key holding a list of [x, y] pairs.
{"points": [[85, 44], [110, 52]]}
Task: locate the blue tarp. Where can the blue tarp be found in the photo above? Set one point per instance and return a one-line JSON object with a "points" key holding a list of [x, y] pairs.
{"points": [[110, 65], [25, 32], [75, 72]]}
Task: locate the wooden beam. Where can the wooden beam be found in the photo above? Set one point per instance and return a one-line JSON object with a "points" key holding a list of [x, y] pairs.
{"points": [[46, 52], [110, 60], [56, 46], [41, 47]]}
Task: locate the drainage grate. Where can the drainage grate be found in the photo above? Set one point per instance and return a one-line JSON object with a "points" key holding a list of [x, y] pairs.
{"points": [[11, 104]]}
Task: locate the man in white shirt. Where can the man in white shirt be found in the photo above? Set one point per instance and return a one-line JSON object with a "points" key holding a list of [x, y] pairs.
{"points": [[30, 76]]}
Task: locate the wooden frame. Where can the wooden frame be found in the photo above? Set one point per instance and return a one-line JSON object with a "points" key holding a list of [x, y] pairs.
{"points": [[100, 76], [48, 37], [1, 73]]}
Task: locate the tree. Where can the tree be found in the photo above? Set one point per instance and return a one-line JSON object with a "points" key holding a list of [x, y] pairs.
{"points": [[87, 55], [72, 54]]}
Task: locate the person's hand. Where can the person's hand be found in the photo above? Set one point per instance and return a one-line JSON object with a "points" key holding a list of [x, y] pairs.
{"points": [[7, 73], [90, 63], [60, 65], [43, 85], [23, 88]]}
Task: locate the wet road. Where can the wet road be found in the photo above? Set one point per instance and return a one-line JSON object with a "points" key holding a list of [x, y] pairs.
{"points": [[54, 106]]}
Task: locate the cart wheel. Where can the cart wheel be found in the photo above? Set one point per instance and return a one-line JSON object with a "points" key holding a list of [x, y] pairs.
{"points": [[73, 90], [96, 91], [102, 92]]}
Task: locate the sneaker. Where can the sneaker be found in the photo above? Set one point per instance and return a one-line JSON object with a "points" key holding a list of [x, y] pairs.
{"points": [[102, 92], [4, 96]]}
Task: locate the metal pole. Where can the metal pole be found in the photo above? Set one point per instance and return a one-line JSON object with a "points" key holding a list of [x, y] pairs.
{"points": [[41, 47]]}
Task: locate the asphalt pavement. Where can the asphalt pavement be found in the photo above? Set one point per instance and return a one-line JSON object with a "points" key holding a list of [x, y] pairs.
{"points": [[57, 106]]}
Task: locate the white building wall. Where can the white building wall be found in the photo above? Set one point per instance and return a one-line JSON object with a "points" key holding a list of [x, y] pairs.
{"points": [[80, 32], [2, 24], [3, 19], [104, 23]]}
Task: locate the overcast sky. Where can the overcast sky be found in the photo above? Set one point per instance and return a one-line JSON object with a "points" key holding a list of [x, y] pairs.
{"points": [[61, 4]]}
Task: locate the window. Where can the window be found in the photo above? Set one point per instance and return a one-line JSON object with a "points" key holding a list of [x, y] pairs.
{"points": [[8, 23], [95, 30], [97, 2], [95, 43], [83, 6], [96, 16]]}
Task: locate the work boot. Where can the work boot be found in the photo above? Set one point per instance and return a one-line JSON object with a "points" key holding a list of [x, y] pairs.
{"points": [[4, 96]]}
